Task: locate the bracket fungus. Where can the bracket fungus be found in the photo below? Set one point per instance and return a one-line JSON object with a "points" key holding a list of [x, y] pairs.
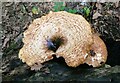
{"points": [[64, 35]]}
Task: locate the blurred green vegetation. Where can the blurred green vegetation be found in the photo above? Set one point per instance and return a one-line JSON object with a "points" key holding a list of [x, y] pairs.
{"points": [[59, 6], [35, 10]]}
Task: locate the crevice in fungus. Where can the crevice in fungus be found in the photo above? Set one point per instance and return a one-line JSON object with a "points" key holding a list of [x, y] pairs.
{"points": [[101, 62], [55, 42], [92, 53]]}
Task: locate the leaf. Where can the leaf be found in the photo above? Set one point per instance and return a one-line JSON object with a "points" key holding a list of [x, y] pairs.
{"points": [[62, 8], [99, 6], [110, 12], [72, 11], [58, 3], [86, 11], [23, 9], [35, 10], [83, 3], [58, 6], [55, 8], [117, 4], [36, 67], [6, 40], [96, 15]]}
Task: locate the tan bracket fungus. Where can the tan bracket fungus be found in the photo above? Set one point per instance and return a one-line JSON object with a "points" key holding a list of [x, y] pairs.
{"points": [[64, 35]]}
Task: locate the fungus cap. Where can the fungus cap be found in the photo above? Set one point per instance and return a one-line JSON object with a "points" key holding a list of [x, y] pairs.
{"points": [[58, 33]]}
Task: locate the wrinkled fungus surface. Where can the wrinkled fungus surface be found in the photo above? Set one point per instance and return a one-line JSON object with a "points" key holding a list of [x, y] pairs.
{"points": [[64, 35]]}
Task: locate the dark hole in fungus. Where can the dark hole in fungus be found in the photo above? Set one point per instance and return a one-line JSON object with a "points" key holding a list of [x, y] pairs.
{"points": [[55, 42], [36, 63], [92, 53], [101, 62]]}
